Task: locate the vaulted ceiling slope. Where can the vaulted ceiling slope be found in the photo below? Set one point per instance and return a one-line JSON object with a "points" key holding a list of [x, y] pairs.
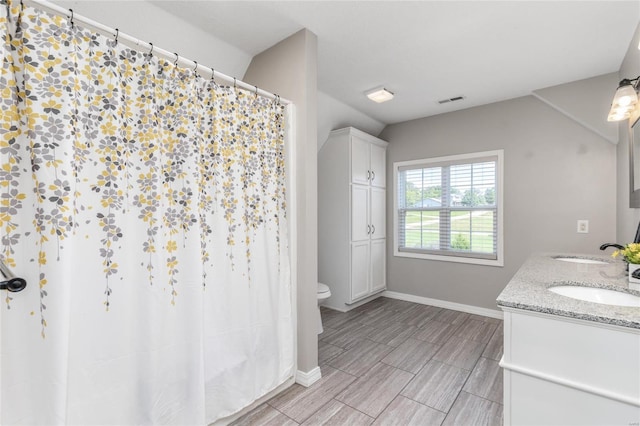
{"points": [[426, 51]]}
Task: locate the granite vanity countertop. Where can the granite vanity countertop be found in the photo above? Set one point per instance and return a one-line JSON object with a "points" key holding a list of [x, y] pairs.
{"points": [[528, 288]]}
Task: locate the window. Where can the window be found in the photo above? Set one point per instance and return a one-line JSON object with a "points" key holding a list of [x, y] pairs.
{"points": [[450, 208]]}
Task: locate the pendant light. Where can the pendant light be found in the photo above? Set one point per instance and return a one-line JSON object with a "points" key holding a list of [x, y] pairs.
{"points": [[624, 100]]}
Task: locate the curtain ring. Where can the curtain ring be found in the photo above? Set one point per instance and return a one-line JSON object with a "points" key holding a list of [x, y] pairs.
{"points": [[117, 35], [70, 18], [234, 84], [151, 51], [213, 75], [256, 91], [175, 63], [195, 69]]}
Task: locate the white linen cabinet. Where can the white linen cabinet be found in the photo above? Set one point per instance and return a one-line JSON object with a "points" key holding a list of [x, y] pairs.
{"points": [[351, 217]]}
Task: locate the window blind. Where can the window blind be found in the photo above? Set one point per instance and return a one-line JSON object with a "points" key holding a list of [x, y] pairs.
{"points": [[449, 208]]}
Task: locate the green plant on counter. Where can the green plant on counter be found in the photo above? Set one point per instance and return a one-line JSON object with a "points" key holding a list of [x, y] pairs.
{"points": [[631, 253]]}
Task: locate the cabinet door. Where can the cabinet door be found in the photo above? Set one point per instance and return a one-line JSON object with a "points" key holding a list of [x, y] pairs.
{"points": [[359, 270], [378, 270], [359, 161], [377, 213], [360, 226], [378, 166]]}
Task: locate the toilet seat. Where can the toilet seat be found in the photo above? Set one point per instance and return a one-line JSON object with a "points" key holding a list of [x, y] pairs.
{"points": [[323, 291], [323, 288]]}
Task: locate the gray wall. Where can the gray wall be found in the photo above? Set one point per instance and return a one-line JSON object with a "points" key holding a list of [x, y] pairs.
{"points": [[586, 101], [555, 172], [333, 115], [290, 69], [627, 217]]}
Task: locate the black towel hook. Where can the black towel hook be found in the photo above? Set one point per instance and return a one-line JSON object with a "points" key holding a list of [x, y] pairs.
{"points": [[11, 282]]}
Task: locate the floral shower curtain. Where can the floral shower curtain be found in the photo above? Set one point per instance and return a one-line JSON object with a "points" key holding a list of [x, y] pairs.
{"points": [[145, 206]]}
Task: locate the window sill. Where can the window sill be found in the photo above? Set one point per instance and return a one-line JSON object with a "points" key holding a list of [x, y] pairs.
{"points": [[457, 259]]}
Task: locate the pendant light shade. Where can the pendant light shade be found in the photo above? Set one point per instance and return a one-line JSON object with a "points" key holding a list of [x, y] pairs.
{"points": [[624, 100], [619, 114], [625, 95]]}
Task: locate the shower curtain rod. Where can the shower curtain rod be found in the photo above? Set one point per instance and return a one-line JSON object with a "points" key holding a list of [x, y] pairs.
{"points": [[135, 43]]}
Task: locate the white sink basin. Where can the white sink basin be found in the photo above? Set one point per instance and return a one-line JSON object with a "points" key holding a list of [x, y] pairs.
{"points": [[597, 295], [581, 260]]}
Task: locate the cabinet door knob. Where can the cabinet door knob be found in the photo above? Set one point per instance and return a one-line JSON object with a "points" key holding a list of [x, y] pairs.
{"points": [[368, 229], [373, 229], [368, 174], [373, 175]]}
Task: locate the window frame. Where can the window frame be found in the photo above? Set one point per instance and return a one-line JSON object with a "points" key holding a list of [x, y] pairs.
{"points": [[458, 257]]}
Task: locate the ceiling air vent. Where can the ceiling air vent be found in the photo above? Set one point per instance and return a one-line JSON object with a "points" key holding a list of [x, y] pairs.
{"points": [[446, 101]]}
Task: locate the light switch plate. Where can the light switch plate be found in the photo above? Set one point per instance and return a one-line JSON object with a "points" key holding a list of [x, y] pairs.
{"points": [[583, 226]]}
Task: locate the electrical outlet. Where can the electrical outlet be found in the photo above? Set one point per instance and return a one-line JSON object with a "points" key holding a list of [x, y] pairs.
{"points": [[583, 226]]}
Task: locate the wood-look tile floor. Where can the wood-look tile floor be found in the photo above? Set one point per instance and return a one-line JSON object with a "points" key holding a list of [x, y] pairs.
{"points": [[391, 362]]}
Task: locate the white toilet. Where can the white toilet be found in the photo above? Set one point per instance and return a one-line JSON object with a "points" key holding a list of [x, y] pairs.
{"points": [[323, 294]]}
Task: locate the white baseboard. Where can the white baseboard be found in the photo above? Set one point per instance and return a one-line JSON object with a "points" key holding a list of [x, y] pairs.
{"points": [[306, 379], [492, 313], [346, 307], [334, 308]]}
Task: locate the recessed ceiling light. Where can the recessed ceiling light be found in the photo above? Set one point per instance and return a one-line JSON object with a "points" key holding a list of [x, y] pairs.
{"points": [[379, 94]]}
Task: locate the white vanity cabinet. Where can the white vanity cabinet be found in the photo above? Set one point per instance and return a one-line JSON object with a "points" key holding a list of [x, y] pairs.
{"points": [[566, 371], [568, 360], [352, 217]]}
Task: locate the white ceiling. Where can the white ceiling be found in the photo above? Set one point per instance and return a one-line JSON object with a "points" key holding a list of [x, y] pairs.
{"points": [[425, 51]]}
